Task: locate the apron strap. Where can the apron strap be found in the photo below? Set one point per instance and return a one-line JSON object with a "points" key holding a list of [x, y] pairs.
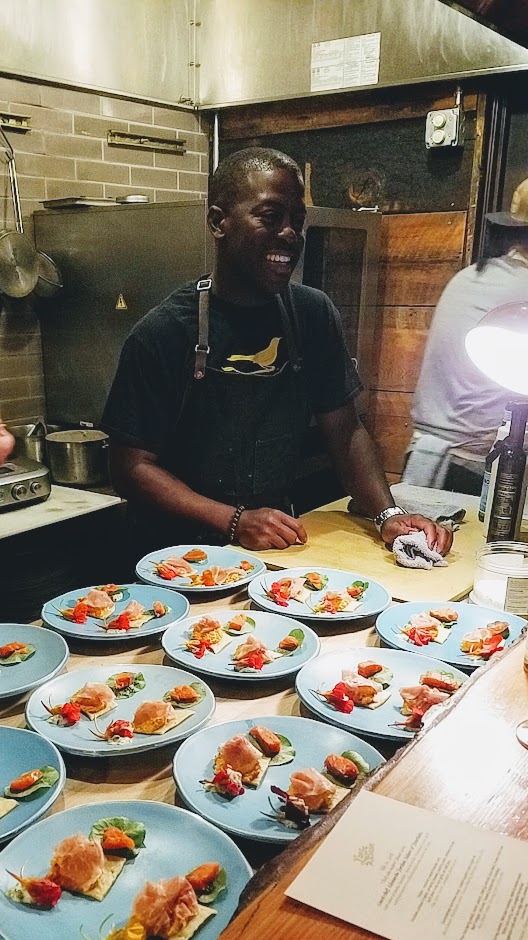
{"points": [[287, 324], [202, 348]]}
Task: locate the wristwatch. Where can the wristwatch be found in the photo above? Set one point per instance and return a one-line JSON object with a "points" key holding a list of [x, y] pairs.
{"points": [[386, 514]]}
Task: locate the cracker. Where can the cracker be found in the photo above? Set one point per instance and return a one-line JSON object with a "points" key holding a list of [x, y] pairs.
{"points": [[204, 913], [93, 715], [112, 868], [218, 647], [180, 716], [255, 781], [339, 795], [6, 805], [380, 699], [442, 635]]}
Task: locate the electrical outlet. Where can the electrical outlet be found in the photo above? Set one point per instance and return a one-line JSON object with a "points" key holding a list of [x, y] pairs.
{"points": [[444, 128]]}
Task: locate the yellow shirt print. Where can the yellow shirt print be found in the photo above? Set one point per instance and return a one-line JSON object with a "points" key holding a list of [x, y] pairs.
{"points": [[265, 360]]}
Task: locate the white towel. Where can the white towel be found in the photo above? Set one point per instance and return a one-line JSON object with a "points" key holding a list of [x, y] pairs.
{"points": [[428, 462], [412, 551]]}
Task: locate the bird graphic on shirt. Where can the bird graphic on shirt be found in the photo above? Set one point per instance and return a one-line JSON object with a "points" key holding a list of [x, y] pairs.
{"points": [[265, 359]]}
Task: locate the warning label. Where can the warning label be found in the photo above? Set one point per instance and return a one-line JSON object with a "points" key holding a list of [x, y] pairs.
{"points": [[121, 303]]}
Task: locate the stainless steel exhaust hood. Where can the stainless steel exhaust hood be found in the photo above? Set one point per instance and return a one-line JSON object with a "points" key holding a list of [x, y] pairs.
{"points": [[261, 51]]}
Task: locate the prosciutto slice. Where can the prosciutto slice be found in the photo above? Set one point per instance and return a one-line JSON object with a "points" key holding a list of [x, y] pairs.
{"points": [[252, 645], [93, 697], [179, 565], [134, 610], [164, 907], [361, 691], [98, 600], [239, 754], [77, 863], [310, 786], [421, 698]]}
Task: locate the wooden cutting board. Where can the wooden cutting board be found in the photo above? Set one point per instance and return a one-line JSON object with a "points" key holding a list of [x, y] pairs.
{"points": [[337, 539]]}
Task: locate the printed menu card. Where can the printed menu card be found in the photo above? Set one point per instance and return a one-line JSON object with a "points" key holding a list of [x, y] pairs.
{"points": [[407, 873]]}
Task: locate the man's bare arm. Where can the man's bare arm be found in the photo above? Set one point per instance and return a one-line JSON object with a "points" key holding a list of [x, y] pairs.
{"points": [[137, 475]]}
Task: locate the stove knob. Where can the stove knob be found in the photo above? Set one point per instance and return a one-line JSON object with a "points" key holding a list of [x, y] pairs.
{"points": [[19, 491], [35, 487]]}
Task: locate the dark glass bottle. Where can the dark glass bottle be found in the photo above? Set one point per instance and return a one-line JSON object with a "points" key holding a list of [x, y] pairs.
{"points": [[508, 495], [488, 485]]}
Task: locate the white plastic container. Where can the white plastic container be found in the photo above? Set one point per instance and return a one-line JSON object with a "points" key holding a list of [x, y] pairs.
{"points": [[501, 577]]}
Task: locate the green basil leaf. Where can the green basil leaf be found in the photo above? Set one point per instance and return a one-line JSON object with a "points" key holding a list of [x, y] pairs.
{"points": [[246, 628], [297, 634], [358, 760], [50, 775], [218, 885], [286, 753], [384, 677], [360, 584], [134, 830], [19, 656], [136, 685]]}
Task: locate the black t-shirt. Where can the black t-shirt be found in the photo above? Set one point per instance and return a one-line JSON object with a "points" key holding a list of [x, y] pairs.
{"points": [[156, 362]]}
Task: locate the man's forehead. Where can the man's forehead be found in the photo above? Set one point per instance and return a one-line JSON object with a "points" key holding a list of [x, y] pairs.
{"points": [[271, 185]]}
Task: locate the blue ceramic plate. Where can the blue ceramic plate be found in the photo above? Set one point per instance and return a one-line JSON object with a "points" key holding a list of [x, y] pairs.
{"points": [[391, 621], [268, 627], [325, 671], [224, 557], [243, 816], [22, 751], [93, 629], [374, 600], [176, 841], [50, 656], [79, 738]]}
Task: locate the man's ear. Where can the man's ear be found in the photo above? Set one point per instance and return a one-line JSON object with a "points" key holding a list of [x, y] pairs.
{"points": [[215, 220]]}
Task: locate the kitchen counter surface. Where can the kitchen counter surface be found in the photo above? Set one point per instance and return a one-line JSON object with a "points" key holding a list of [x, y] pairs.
{"points": [[336, 539], [63, 503]]}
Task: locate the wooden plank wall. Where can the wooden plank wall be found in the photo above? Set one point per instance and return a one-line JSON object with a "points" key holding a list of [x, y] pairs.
{"points": [[363, 149]]}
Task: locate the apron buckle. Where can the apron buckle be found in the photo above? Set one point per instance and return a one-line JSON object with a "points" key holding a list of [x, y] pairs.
{"points": [[204, 284]]}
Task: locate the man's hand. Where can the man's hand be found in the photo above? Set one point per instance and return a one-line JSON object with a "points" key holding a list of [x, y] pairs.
{"points": [[7, 442], [261, 529], [437, 535]]}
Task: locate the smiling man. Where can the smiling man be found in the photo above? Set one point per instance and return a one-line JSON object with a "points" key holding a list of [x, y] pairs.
{"points": [[215, 387]]}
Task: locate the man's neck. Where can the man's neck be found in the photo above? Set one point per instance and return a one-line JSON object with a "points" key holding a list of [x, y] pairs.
{"points": [[229, 289]]}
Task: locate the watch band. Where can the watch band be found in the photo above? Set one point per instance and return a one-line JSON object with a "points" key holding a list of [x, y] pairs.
{"points": [[385, 514]]}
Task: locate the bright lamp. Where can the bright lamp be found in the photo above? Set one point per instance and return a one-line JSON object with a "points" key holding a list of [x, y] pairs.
{"points": [[498, 346]]}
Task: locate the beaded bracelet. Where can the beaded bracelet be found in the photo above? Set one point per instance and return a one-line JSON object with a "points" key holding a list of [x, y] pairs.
{"points": [[234, 523]]}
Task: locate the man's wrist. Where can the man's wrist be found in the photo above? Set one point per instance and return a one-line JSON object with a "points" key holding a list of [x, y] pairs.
{"points": [[387, 513]]}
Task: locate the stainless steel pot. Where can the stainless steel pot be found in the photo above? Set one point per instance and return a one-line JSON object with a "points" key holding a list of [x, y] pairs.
{"points": [[78, 458], [30, 440]]}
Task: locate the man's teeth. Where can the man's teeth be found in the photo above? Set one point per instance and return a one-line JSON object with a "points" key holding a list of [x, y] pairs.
{"points": [[283, 259]]}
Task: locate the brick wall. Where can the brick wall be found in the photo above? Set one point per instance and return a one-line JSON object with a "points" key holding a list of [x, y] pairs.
{"points": [[65, 154]]}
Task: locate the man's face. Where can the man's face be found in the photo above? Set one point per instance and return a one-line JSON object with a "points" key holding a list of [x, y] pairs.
{"points": [[262, 234]]}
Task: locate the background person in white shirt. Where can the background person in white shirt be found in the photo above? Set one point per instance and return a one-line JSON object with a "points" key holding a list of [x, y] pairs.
{"points": [[456, 409]]}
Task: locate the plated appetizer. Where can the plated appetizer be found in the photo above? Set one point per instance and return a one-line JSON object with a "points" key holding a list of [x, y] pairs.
{"points": [[434, 688], [206, 636], [15, 652], [157, 718], [317, 792], [83, 865], [175, 908], [298, 589], [484, 641], [253, 654], [430, 626], [244, 759], [214, 576], [367, 687], [112, 610]]}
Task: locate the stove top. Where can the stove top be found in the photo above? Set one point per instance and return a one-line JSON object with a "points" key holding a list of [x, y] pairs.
{"points": [[23, 481]]}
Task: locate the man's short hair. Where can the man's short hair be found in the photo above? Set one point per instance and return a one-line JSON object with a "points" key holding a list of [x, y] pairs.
{"points": [[231, 176]]}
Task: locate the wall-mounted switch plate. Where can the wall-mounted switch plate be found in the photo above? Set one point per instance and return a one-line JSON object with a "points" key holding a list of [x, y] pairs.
{"points": [[444, 128]]}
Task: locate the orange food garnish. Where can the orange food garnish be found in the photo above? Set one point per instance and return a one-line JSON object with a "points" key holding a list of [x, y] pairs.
{"points": [[203, 876], [195, 554], [9, 648], [289, 643], [123, 680], [25, 781], [184, 693], [207, 579], [158, 608], [246, 565], [114, 838]]}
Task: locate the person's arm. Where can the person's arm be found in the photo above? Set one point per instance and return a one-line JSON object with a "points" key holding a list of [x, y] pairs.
{"points": [[7, 443], [136, 474], [358, 466]]}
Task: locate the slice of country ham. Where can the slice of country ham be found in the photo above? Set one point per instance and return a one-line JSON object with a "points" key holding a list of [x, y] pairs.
{"points": [[134, 610], [152, 715], [93, 697], [98, 600], [361, 691], [77, 863], [239, 754], [164, 907], [310, 785], [222, 575], [179, 565], [421, 698], [252, 645]]}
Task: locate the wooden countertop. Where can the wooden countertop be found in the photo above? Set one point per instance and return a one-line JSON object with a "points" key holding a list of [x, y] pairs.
{"points": [[337, 539], [468, 765], [64, 502]]}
